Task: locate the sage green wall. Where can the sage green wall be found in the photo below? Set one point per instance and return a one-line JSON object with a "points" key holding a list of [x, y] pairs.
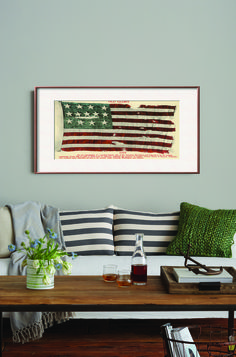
{"points": [[119, 43]]}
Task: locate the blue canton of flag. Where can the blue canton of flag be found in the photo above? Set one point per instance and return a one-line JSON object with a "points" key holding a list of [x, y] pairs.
{"points": [[86, 116]]}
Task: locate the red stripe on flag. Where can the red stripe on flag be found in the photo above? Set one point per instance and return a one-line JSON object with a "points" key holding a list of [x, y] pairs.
{"points": [[113, 141], [119, 106], [129, 135], [157, 106], [117, 149]]}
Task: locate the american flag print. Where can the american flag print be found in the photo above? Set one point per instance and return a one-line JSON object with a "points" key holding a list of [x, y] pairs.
{"points": [[118, 127]]}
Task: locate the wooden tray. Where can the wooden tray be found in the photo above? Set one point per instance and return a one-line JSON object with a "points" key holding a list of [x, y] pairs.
{"points": [[174, 287]]}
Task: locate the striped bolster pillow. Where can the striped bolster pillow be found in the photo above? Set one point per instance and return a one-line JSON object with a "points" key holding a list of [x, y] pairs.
{"points": [[88, 232], [158, 229]]}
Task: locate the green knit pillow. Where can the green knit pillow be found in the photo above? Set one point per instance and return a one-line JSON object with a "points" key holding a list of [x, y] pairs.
{"points": [[210, 232]]}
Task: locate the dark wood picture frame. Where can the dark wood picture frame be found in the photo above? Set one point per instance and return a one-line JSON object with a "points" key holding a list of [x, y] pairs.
{"points": [[150, 110]]}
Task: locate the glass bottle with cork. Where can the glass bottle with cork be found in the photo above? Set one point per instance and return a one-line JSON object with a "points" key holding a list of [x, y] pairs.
{"points": [[139, 262]]}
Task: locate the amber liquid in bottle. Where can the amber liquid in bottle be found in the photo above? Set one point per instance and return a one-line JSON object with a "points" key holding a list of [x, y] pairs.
{"points": [[139, 274]]}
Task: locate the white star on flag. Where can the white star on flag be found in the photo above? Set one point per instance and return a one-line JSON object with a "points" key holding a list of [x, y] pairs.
{"points": [[69, 114]]}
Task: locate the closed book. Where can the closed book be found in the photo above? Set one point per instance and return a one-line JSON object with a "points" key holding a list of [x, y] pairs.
{"points": [[183, 275]]}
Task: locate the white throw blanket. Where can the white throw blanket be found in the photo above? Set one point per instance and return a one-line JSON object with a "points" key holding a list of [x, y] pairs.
{"points": [[36, 218]]}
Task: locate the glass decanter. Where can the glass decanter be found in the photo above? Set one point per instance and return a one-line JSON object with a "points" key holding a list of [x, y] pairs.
{"points": [[139, 262]]}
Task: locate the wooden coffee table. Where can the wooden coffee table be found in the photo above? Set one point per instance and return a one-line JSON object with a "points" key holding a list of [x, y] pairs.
{"points": [[91, 293]]}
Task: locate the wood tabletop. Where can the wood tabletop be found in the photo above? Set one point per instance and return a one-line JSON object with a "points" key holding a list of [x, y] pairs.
{"points": [[77, 292]]}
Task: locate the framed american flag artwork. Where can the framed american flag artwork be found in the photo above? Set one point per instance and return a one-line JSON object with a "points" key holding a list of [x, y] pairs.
{"points": [[116, 129]]}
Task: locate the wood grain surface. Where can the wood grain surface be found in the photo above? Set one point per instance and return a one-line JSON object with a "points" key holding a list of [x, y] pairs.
{"points": [[92, 291]]}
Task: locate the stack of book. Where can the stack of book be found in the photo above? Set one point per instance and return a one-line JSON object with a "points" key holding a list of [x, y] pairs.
{"points": [[179, 342], [183, 275]]}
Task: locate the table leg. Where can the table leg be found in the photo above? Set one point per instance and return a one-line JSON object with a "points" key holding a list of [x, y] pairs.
{"points": [[231, 322], [1, 334]]}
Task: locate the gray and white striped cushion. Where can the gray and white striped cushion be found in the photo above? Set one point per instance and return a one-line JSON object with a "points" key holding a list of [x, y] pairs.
{"points": [[159, 229], [88, 232]]}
